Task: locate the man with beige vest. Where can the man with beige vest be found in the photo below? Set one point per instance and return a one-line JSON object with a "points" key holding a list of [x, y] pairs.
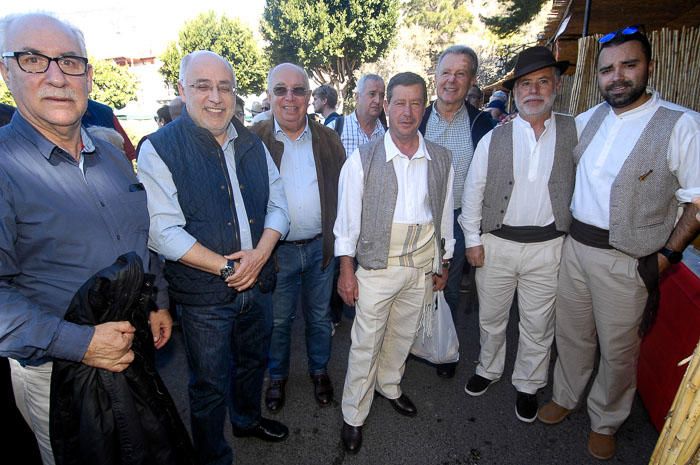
{"points": [[515, 213], [638, 159], [395, 218]]}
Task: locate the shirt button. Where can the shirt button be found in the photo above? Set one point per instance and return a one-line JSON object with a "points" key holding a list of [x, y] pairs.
{"points": [[102, 203], [119, 238]]}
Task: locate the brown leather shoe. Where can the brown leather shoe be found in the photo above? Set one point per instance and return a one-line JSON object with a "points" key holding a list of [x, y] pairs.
{"points": [[552, 413], [601, 446], [352, 438], [274, 396], [323, 389]]}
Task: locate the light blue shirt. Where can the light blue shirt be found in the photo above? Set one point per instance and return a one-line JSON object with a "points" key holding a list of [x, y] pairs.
{"points": [[167, 235], [298, 171]]}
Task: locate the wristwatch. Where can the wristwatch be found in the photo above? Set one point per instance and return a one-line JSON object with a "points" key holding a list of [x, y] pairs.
{"points": [[228, 270], [446, 264], [672, 256]]}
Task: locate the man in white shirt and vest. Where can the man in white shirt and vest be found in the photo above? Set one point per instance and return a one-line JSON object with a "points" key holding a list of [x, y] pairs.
{"points": [[395, 218], [515, 213], [638, 160]]}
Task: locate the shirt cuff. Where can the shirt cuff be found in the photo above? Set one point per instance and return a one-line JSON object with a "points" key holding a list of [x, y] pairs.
{"points": [[472, 240], [278, 222], [71, 342], [687, 195], [344, 247]]}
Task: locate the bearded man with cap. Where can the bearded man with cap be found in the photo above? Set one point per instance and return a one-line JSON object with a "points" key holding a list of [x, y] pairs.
{"points": [[515, 213]]}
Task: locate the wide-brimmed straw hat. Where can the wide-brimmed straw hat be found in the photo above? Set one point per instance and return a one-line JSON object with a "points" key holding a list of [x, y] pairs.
{"points": [[533, 59]]}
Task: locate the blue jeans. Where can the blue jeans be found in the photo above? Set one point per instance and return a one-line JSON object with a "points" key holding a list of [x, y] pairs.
{"points": [[457, 267], [300, 273], [226, 347]]}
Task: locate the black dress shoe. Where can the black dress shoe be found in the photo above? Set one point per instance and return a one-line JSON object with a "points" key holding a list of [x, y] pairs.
{"points": [[403, 405], [446, 370], [274, 396], [323, 389], [352, 438], [267, 430]]}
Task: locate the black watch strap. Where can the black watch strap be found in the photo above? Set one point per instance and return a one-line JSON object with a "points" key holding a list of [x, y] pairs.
{"points": [[228, 270], [672, 256]]}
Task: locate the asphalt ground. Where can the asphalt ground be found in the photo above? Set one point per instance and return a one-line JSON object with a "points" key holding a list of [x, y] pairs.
{"points": [[451, 428]]}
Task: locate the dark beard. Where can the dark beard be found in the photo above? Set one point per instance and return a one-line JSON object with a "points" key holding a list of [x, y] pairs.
{"points": [[625, 99]]}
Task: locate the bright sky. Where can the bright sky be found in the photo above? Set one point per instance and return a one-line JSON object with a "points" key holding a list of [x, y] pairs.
{"points": [[135, 27]]}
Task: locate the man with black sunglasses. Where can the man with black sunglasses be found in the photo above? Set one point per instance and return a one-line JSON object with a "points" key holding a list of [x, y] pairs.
{"points": [[638, 160], [309, 157]]}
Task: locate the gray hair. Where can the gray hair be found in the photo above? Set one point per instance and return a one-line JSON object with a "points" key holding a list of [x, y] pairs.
{"points": [[360, 87], [461, 50], [301, 70], [6, 23], [185, 62]]}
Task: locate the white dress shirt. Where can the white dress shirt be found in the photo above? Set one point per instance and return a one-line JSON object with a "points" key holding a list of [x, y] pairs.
{"points": [[613, 143], [529, 203], [412, 202], [167, 235]]}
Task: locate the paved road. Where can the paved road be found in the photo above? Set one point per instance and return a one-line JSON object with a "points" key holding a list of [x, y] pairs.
{"points": [[451, 428]]}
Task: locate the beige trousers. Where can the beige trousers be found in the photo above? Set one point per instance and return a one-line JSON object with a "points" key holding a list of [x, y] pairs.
{"points": [[387, 315], [600, 302], [532, 269], [32, 390]]}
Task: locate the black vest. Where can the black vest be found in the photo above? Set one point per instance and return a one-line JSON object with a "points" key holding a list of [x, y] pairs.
{"points": [[205, 195]]}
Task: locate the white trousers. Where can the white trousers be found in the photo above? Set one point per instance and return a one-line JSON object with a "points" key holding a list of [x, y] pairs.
{"points": [[32, 389], [531, 269], [387, 315], [600, 302]]}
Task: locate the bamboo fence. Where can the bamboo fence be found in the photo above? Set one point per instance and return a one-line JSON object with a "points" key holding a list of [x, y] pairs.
{"points": [[679, 441], [676, 73]]}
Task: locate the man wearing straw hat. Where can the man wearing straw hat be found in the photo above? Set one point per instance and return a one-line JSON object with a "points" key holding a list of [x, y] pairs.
{"points": [[517, 196], [638, 159]]}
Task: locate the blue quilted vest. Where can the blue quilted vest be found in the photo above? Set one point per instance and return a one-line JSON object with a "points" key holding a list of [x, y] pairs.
{"points": [[198, 168]]}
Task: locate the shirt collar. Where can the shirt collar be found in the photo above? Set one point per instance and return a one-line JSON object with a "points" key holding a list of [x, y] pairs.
{"points": [[392, 151], [518, 120], [231, 135], [459, 113], [43, 145], [279, 130], [377, 124], [649, 105]]}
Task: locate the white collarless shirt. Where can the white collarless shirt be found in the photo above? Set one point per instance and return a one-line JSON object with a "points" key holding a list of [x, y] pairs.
{"points": [[612, 144], [529, 204]]}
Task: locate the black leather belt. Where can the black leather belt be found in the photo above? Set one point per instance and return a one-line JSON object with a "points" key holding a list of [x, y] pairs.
{"points": [[302, 241]]}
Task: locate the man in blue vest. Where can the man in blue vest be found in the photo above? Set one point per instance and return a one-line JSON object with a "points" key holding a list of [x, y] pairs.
{"points": [[217, 210]]}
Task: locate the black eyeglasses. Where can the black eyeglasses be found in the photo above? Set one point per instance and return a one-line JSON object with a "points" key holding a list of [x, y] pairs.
{"points": [[627, 31], [32, 62], [281, 91], [206, 87]]}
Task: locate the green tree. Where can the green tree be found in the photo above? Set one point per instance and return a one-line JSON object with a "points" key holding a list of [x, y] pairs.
{"points": [[516, 14], [330, 38], [225, 36], [112, 84], [440, 19], [5, 95]]}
